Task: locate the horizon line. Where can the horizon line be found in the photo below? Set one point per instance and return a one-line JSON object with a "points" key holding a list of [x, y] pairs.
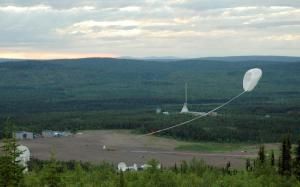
{"points": [[139, 58]]}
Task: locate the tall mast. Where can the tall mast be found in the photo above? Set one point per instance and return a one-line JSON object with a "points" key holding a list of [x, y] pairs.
{"points": [[185, 108], [186, 93]]}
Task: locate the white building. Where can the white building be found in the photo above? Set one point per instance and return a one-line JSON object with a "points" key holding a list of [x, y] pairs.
{"points": [[23, 135], [50, 133]]}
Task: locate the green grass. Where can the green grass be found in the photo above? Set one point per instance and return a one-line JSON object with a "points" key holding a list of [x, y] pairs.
{"points": [[212, 147]]}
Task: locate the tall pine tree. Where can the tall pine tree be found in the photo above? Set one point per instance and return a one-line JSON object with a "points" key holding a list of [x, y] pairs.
{"points": [[11, 172], [51, 173], [285, 167], [248, 165], [261, 154], [297, 161], [272, 158], [122, 180]]}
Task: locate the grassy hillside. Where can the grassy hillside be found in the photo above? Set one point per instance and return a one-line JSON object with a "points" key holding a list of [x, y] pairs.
{"points": [[88, 93]]}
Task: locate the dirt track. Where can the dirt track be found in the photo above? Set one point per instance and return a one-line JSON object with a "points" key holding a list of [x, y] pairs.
{"points": [[125, 147]]}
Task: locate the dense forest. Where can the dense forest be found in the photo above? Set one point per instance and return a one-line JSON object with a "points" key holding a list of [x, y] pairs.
{"points": [[117, 93]]}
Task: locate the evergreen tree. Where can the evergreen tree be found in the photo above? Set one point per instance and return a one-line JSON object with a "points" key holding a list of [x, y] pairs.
{"points": [[280, 165], [248, 165], [8, 129], [272, 160], [11, 172], [51, 173], [254, 163], [78, 173], [183, 167], [227, 168], [175, 168], [285, 164], [261, 154], [297, 161], [122, 180]]}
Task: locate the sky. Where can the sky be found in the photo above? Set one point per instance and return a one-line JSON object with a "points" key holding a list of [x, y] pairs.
{"points": [[48, 29]]}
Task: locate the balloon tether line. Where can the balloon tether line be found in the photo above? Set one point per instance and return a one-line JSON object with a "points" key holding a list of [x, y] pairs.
{"points": [[198, 117]]}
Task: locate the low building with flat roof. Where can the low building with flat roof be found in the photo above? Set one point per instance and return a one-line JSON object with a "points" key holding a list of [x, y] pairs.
{"points": [[50, 133], [23, 135]]}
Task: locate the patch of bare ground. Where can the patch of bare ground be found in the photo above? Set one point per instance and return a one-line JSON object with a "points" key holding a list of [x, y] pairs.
{"points": [[122, 146]]}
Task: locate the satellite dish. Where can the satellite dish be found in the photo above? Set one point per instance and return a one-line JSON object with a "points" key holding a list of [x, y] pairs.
{"points": [[251, 79], [135, 167], [24, 156], [146, 166], [122, 166], [25, 153]]}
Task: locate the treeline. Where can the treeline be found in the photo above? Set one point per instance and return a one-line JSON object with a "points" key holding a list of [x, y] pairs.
{"points": [[224, 128], [266, 170]]}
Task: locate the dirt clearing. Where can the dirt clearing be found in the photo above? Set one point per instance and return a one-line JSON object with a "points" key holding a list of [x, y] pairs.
{"points": [[122, 146]]}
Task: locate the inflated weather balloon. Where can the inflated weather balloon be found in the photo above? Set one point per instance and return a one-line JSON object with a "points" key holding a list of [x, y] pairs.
{"points": [[251, 79]]}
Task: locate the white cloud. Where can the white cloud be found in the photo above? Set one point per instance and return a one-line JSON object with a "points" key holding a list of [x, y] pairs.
{"points": [[138, 28], [145, 27], [41, 8], [83, 8], [285, 37], [91, 23], [22, 9], [130, 9]]}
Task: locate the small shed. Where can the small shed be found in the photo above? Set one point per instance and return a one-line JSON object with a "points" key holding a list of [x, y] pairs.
{"points": [[47, 133], [23, 135]]}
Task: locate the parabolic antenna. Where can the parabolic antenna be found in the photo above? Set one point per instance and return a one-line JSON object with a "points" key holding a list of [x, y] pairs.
{"points": [[24, 156], [122, 166], [251, 79], [135, 168]]}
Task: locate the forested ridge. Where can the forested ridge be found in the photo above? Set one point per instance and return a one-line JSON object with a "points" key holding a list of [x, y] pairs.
{"points": [[117, 93]]}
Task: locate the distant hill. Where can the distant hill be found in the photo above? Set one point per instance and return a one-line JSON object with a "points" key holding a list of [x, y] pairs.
{"points": [[226, 58], [8, 60], [254, 58], [94, 82], [173, 58], [154, 58]]}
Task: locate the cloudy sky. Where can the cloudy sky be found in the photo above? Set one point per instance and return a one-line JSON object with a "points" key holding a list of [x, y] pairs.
{"points": [[182, 28]]}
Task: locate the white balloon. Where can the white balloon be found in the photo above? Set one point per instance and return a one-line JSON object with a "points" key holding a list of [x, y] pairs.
{"points": [[251, 79]]}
